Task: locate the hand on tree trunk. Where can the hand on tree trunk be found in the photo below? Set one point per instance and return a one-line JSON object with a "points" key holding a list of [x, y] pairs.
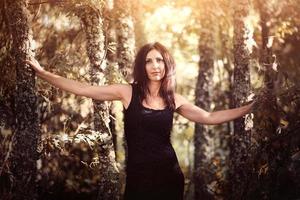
{"points": [[35, 65]]}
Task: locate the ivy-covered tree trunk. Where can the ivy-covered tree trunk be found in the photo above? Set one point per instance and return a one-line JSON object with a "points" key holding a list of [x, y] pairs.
{"points": [[93, 26], [203, 100], [125, 37], [240, 144], [26, 135]]}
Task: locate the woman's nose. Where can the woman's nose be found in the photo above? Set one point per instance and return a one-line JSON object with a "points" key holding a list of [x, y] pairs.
{"points": [[155, 64]]}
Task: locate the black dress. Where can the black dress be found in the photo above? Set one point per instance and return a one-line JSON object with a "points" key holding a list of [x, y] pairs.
{"points": [[152, 168]]}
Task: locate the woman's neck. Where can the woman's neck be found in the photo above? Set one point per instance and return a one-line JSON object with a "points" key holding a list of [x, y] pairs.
{"points": [[154, 87]]}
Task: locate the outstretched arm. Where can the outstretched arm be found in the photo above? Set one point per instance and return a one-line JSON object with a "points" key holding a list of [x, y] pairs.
{"points": [[109, 92], [196, 114]]}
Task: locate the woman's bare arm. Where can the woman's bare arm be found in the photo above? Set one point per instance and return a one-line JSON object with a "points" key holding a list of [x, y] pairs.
{"points": [[110, 92], [196, 114]]}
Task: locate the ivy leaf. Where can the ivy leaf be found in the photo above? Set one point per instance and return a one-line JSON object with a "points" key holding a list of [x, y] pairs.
{"points": [[274, 67]]}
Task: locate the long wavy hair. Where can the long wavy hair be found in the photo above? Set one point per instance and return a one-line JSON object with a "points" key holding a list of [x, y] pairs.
{"points": [[167, 88]]}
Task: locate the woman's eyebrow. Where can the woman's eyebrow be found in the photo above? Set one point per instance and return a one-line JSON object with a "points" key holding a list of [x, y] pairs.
{"points": [[154, 58]]}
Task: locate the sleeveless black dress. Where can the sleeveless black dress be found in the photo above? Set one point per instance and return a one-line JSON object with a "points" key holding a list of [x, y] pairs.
{"points": [[152, 168]]}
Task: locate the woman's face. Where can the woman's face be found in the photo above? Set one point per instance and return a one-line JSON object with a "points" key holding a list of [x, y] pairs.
{"points": [[155, 66]]}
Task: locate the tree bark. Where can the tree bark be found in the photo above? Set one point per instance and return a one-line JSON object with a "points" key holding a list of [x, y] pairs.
{"points": [[239, 168], [125, 38], [139, 29], [203, 100], [93, 26], [266, 58], [267, 120], [26, 135]]}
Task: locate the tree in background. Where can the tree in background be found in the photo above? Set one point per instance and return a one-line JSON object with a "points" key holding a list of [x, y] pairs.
{"points": [[93, 25], [137, 10], [26, 134], [239, 155], [203, 99], [125, 37], [125, 41], [269, 112], [273, 156], [225, 19], [7, 71], [7, 105]]}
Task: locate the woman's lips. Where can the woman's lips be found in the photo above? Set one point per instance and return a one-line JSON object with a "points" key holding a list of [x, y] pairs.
{"points": [[156, 73]]}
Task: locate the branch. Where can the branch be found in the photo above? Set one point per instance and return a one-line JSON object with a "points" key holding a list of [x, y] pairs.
{"points": [[44, 2]]}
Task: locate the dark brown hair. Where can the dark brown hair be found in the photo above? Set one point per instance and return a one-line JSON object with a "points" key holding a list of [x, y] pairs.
{"points": [[140, 77]]}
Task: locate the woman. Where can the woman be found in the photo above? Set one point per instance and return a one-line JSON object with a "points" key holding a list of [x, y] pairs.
{"points": [[152, 169]]}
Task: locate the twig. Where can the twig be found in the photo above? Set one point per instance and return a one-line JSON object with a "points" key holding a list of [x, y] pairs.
{"points": [[79, 127], [38, 11]]}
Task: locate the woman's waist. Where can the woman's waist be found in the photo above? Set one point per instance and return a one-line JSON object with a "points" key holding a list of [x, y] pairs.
{"points": [[152, 156]]}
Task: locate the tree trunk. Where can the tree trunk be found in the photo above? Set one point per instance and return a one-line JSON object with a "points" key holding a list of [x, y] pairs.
{"points": [[239, 168], [125, 38], [267, 120], [203, 100], [110, 34], [266, 58], [26, 135], [139, 29], [225, 24], [7, 74], [93, 25]]}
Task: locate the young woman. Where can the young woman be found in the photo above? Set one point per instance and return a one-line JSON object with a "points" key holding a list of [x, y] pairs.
{"points": [[153, 171]]}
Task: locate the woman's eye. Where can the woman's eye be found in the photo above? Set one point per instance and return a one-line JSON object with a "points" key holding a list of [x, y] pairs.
{"points": [[148, 61], [159, 60]]}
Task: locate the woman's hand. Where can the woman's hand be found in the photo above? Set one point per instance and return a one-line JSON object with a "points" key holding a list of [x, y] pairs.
{"points": [[35, 65]]}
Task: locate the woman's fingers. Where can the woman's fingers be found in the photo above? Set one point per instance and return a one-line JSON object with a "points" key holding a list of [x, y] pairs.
{"points": [[28, 62], [34, 64]]}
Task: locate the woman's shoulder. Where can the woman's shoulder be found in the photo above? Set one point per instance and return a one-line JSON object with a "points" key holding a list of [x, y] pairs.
{"points": [[125, 89], [179, 100], [126, 93]]}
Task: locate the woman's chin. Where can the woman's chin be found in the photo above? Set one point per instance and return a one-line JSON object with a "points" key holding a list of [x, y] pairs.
{"points": [[156, 78]]}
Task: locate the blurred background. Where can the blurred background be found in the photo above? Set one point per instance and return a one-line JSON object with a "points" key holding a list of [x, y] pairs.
{"points": [[224, 51]]}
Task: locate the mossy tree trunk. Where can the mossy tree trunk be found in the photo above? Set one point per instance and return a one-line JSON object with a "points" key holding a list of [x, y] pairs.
{"points": [[26, 135], [93, 27]]}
